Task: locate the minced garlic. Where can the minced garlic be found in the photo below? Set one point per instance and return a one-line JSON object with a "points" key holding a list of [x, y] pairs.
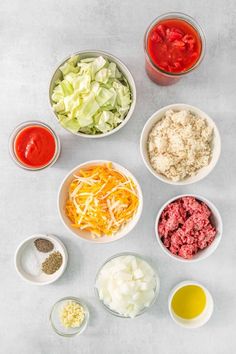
{"points": [[179, 144], [72, 314]]}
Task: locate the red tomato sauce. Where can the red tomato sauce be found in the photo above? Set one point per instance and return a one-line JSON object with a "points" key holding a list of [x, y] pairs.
{"points": [[35, 146], [174, 45]]}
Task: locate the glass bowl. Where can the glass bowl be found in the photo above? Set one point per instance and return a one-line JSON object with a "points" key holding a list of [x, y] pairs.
{"points": [[56, 322], [145, 309], [18, 129], [158, 75]]}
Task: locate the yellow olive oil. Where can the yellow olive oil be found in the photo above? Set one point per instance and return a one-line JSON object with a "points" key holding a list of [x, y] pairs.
{"points": [[189, 301]]}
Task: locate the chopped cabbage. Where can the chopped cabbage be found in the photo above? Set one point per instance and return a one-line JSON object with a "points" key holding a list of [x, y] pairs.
{"points": [[92, 97]]}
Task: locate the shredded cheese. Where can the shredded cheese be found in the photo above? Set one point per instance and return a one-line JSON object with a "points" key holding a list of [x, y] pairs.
{"points": [[101, 200]]}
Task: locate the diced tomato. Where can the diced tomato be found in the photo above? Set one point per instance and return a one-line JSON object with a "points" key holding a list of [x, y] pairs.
{"points": [[174, 45], [194, 55], [174, 35], [177, 30], [177, 65], [156, 37], [179, 44], [188, 39], [161, 30]]}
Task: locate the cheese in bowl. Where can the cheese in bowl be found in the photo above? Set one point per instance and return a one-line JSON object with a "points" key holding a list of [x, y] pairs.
{"points": [[100, 200]]}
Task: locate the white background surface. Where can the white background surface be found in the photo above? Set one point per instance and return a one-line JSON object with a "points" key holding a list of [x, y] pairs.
{"points": [[34, 37]]}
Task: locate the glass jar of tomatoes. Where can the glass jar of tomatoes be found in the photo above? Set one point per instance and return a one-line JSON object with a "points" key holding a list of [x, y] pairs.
{"points": [[174, 45]]}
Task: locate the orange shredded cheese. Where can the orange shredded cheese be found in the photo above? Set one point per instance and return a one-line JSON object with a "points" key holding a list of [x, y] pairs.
{"points": [[101, 200]]}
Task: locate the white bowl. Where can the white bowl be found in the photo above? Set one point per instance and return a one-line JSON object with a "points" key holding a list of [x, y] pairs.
{"points": [[85, 235], [216, 144], [199, 320], [216, 220], [122, 67], [22, 263]]}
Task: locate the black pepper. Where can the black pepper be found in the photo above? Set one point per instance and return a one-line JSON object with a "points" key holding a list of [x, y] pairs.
{"points": [[43, 245]]}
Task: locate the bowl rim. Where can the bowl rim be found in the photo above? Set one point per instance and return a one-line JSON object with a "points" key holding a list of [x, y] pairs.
{"points": [[137, 216], [211, 247], [51, 238], [179, 286], [130, 80], [143, 143], [83, 325], [157, 288]]}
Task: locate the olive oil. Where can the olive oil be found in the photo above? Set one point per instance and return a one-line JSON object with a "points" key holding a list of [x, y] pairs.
{"points": [[189, 301]]}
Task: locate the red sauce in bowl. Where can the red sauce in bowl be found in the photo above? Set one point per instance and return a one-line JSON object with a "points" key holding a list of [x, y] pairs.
{"points": [[35, 146], [174, 46]]}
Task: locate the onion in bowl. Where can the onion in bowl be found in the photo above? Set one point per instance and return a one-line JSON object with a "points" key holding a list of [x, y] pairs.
{"points": [[127, 285]]}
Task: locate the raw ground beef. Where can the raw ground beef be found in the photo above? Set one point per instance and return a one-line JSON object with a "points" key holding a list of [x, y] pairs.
{"points": [[185, 227]]}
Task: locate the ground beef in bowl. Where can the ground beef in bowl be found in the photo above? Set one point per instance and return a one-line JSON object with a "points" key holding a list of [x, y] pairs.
{"points": [[185, 227]]}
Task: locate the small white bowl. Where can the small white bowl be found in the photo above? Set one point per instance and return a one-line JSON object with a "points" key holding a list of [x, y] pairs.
{"points": [[216, 144], [22, 260], [216, 221], [85, 235], [199, 320], [122, 67]]}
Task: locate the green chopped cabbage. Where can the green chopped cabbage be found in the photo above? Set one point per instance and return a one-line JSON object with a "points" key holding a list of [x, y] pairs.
{"points": [[92, 97]]}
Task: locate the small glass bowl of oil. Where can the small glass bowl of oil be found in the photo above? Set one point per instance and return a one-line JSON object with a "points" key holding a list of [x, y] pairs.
{"points": [[190, 304]]}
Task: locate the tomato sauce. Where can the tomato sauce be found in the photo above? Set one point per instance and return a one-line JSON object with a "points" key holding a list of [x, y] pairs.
{"points": [[35, 146], [174, 46]]}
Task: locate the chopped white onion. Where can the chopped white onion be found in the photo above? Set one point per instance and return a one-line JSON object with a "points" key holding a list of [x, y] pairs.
{"points": [[127, 284]]}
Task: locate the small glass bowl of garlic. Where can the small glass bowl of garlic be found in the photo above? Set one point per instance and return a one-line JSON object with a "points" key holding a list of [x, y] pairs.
{"points": [[127, 285], [69, 316]]}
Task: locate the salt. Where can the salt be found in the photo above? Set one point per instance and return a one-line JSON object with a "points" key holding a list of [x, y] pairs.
{"points": [[30, 261]]}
